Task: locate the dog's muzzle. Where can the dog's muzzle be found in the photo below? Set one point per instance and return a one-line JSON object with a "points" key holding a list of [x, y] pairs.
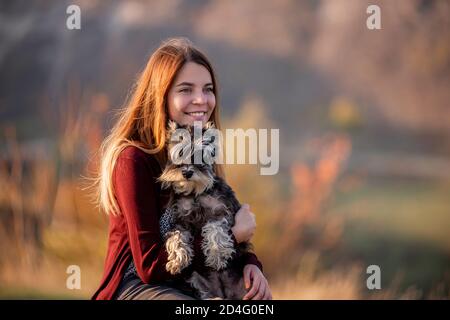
{"points": [[187, 173]]}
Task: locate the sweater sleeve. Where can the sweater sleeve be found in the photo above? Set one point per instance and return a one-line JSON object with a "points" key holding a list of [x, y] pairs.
{"points": [[249, 257], [136, 193]]}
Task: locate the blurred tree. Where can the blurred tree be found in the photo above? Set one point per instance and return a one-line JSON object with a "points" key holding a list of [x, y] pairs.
{"points": [[404, 67]]}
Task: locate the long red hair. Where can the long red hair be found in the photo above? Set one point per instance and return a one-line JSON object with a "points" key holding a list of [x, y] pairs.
{"points": [[143, 120]]}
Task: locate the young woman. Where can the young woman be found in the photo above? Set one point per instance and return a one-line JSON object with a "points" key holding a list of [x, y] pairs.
{"points": [[178, 83]]}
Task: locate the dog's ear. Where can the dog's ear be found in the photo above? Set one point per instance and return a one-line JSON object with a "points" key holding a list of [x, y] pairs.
{"points": [[209, 125], [172, 126], [170, 129]]}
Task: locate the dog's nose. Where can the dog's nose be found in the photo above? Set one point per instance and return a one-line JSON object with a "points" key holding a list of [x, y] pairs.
{"points": [[188, 174]]}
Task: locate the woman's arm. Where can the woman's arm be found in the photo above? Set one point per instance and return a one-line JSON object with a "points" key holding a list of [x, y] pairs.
{"points": [[242, 231], [244, 225], [254, 279]]}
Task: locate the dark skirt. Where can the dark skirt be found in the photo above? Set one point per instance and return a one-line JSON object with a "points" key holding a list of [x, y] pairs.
{"points": [[132, 288]]}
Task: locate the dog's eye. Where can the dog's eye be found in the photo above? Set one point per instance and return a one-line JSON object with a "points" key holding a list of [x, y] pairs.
{"points": [[180, 154], [209, 141], [213, 152]]}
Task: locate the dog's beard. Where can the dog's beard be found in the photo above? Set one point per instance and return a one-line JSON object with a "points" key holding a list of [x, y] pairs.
{"points": [[197, 184]]}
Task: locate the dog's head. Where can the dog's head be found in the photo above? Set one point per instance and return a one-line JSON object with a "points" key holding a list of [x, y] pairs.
{"points": [[191, 156]]}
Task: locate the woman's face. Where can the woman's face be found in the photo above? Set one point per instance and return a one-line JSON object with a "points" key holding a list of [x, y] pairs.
{"points": [[191, 97]]}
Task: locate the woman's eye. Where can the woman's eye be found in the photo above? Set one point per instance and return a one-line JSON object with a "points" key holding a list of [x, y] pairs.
{"points": [[209, 89], [185, 90]]}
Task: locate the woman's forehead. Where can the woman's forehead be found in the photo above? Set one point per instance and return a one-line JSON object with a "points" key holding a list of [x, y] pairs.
{"points": [[193, 74]]}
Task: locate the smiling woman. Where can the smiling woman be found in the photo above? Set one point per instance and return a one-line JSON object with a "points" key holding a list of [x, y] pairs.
{"points": [[192, 97], [177, 84]]}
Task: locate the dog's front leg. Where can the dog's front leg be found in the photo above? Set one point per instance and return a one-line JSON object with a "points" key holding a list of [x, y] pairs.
{"points": [[179, 250], [217, 244]]}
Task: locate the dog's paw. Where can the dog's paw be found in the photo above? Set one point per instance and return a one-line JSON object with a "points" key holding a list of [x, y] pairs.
{"points": [[178, 260], [173, 267], [179, 252], [218, 258], [217, 245], [216, 263]]}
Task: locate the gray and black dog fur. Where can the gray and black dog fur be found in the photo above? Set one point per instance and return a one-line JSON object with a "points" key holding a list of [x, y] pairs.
{"points": [[202, 202]]}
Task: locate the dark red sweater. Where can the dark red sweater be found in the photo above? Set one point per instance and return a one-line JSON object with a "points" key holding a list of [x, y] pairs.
{"points": [[135, 233]]}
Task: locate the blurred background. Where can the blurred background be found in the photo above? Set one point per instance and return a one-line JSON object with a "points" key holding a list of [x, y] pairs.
{"points": [[364, 136]]}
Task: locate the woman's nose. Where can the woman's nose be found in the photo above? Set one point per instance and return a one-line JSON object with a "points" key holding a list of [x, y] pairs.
{"points": [[200, 98]]}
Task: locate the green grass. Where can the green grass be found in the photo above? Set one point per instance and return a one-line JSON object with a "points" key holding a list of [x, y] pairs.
{"points": [[417, 210], [402, 226]]}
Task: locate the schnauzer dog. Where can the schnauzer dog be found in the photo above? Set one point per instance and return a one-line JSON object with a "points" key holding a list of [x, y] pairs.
{"points": [[201, 203]]}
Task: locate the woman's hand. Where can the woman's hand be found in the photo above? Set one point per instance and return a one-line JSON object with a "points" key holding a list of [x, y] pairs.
{"points": [[259, 286], [244, 225]]}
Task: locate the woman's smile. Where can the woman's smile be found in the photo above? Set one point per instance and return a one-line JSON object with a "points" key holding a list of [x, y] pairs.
{"points": [[197, 115]]}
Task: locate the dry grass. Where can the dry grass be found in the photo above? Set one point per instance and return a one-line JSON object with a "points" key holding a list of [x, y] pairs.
{"points": [[309, 283]]}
